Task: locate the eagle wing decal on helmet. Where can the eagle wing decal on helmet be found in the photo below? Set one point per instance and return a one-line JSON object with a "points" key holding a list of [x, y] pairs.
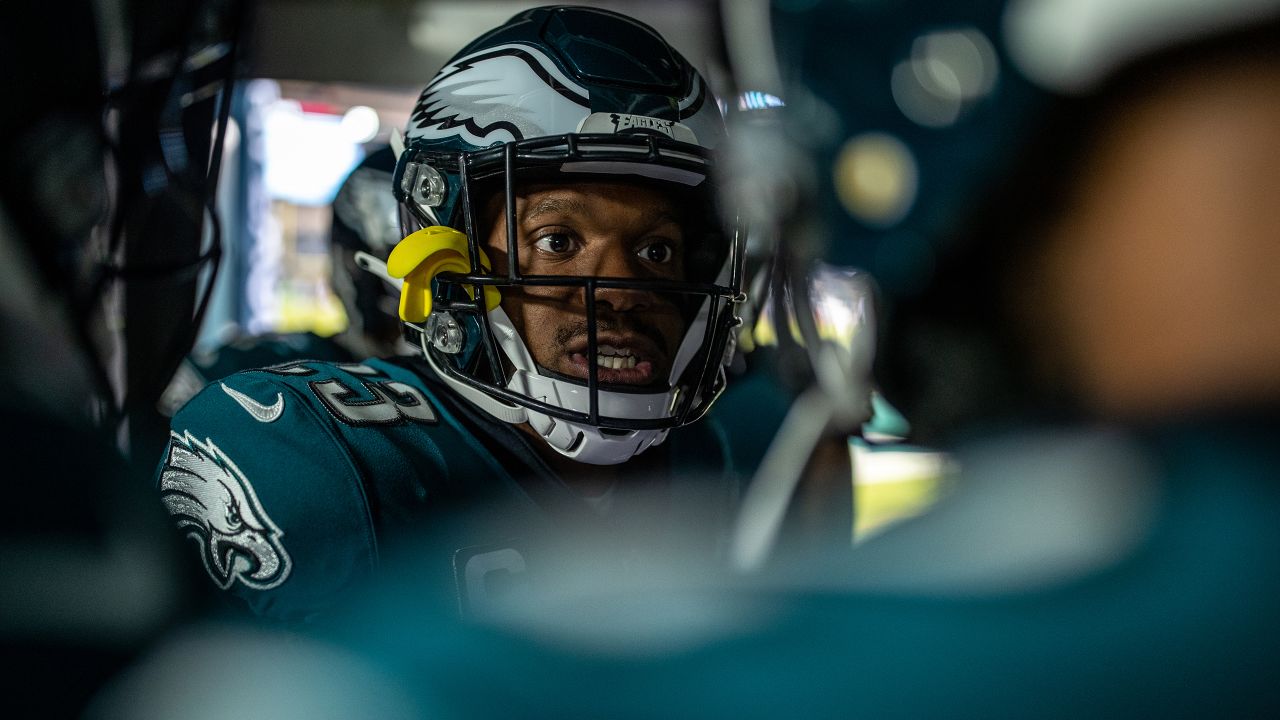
{"points": [[485, 98], [210, 499]]}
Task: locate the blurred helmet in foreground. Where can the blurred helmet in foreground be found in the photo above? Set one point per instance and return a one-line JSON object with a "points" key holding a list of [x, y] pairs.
{"points": [[940, 136]]}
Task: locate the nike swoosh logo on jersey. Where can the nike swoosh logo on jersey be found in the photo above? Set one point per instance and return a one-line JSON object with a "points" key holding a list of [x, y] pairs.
{"points": [[260, 412]]}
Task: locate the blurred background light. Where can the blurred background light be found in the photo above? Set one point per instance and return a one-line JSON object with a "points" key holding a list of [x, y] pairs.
{"points": [[757, 100], [875, 177], [307, 154], [946, 72], [361, 124]]}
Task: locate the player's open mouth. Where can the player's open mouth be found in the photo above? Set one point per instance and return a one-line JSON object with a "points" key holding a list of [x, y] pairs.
{"points": [[628, 361]]}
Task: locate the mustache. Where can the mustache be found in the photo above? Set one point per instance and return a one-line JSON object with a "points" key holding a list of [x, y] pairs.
{"points": [[636, 325]]}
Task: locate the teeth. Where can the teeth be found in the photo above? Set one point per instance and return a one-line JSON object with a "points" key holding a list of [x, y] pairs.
{"points": [[616, 362]]}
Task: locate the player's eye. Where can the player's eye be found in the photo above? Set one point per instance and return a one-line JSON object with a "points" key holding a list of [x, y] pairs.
{"points": [[657, 252], [555, 243]]}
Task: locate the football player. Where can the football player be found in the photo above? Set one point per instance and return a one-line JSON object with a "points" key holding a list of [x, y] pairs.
{"points": [[366, 221], [571, 286]]}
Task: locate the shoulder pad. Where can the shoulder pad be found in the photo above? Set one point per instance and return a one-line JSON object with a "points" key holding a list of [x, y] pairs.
{"points": [[258, 477]]}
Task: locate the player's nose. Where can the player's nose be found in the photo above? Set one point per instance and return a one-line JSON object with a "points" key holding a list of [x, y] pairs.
{"points": [[616, 261]]}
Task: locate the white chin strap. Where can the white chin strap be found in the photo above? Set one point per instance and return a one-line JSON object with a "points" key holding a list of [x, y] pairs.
{"points": [[580, 442]]}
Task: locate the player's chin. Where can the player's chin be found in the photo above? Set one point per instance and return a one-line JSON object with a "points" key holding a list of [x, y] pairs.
{"points": [[643, 373]]}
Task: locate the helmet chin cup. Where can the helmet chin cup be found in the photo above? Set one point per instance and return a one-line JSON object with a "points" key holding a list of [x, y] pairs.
{"points": [[581, 442], [578, 441], [587, 444]]}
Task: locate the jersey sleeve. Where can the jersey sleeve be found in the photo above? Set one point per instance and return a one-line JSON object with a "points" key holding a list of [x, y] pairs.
{"points": [[268, 496]]}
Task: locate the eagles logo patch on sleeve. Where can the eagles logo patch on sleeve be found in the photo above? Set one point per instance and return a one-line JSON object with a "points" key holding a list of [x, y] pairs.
{"points": [[215, 505]]}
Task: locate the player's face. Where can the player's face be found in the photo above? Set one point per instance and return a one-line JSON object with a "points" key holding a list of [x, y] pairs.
{"points": [[605, 229]]}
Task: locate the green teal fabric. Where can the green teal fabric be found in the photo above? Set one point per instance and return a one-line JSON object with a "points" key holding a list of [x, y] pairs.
{"points": [[1183, 625], [752, 408], [363, 456]]}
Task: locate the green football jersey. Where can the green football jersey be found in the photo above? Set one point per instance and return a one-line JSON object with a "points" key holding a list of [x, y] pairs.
{"points": [[294, 482]]}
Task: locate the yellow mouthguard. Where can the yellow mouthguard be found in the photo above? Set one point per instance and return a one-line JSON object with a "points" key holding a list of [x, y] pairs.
{"points": [[425, 254]]}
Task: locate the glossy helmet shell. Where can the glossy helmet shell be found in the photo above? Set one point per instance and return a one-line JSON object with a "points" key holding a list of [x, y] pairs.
{"points": [[366, 219]]}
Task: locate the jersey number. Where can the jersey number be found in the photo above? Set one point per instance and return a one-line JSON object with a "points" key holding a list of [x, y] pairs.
{"points": [[392, 403]]}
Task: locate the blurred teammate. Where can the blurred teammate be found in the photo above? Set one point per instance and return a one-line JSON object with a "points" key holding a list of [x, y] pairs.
{"points": [[366, 219]]}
